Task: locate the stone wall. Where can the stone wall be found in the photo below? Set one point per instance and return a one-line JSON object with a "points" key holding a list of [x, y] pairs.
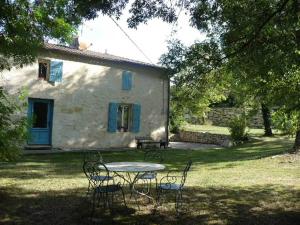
{"points": [[222, 116], [202, 137], [81, 100]]}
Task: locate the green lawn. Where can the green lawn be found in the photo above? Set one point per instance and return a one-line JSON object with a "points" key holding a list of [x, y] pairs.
{"points": [[251, 184]]}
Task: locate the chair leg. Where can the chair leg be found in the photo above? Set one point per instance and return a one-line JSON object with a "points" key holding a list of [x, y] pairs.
{"points": [[148, 189], [149, 186], [110, 201], [159, 192], [107, 200], [93, 204], [123, 197], [98, 197], [135, 198], [178, 201], [88, 190]]}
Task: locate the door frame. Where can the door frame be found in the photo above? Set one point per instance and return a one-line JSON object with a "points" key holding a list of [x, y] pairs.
{"points": [[49, 117]]}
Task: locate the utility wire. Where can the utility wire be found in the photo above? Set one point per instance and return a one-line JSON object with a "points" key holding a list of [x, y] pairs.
{"points": [[132, 41], [175, 23], [180, 4]]}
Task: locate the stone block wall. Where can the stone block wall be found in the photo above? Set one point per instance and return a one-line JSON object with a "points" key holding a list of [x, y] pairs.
{"points": [[81, 100], [203, 137], [222, 116]]}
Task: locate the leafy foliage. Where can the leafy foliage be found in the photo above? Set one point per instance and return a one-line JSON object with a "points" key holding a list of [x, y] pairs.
{"points": [[13, 126], [286, 123], [237, 128], [176, 121], [24, 25], [187, 96], [256, 46]]}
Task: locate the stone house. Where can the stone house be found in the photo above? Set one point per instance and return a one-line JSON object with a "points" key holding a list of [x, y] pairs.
{"points": [[80, 99]]}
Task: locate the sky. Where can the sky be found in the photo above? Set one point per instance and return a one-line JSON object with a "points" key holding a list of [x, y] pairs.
{"points": [[105, 36]]}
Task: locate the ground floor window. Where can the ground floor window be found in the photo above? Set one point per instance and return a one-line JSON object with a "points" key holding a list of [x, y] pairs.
{"points": [[124, 117]]}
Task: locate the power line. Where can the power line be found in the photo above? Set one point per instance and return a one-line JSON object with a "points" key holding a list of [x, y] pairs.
{"points": [[175, 23], [132, 41]]}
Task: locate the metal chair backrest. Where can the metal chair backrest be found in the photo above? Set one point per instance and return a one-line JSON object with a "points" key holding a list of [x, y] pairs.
{"points": [[184, 173], [94, 170], [89, 171], [94, 156]]}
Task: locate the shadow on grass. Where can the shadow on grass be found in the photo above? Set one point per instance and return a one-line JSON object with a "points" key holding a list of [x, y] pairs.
{"points": [[253, 150], [59, 164], [70, 164], [275, 205]]}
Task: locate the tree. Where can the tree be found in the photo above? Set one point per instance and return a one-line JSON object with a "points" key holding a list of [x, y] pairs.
{"points": [[189, 97], [267, 119], [256, 42]]}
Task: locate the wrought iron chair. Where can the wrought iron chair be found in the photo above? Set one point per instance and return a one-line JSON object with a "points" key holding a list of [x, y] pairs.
{"points": [[148, 177], [174, 183], [103, 188], [91, 158]]}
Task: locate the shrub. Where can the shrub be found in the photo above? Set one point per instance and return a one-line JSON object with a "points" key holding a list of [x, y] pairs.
{"points": [[237, 128], [285, 122], [176, 121], [13, 126]]}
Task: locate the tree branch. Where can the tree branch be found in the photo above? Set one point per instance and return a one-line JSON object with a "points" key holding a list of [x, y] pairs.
{"points": [[257, 32]]}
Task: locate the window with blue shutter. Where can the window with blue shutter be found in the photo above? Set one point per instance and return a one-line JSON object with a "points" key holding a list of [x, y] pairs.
{"points": [[136, 118], [112, 117], [126, 80], [56, 71]]}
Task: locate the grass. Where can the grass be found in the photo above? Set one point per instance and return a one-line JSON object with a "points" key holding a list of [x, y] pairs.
{"points": [[220, 130], [251, 184]]}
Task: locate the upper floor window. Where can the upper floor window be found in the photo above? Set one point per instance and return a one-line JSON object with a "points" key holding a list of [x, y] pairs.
{"points": [[126, 80], [44, 68], [50, 70]]}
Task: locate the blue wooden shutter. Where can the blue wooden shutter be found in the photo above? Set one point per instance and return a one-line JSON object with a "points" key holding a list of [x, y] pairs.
{"points": [[112, 117], [126, 80], [56, 71], [136, 118]]}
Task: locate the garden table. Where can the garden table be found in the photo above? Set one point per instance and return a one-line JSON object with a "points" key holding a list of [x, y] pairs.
{"points": [[135, 168]]}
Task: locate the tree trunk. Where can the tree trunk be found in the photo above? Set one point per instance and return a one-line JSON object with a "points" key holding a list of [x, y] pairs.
{"points": [[267, 119], [296, 147]]}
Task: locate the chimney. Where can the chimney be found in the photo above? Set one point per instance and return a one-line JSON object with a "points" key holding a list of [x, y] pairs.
{"points": [[75, 42]]}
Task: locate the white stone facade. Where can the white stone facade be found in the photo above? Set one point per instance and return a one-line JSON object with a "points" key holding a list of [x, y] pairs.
{"points": [[80, 113]]}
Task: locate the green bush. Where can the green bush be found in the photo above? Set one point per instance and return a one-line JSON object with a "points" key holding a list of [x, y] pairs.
{"points": [[285, 122], [238, 129], [13, 126], [176, 122]]}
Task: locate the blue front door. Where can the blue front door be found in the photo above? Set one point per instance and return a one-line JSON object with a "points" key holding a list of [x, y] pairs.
{"points": [[40, 113]]}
